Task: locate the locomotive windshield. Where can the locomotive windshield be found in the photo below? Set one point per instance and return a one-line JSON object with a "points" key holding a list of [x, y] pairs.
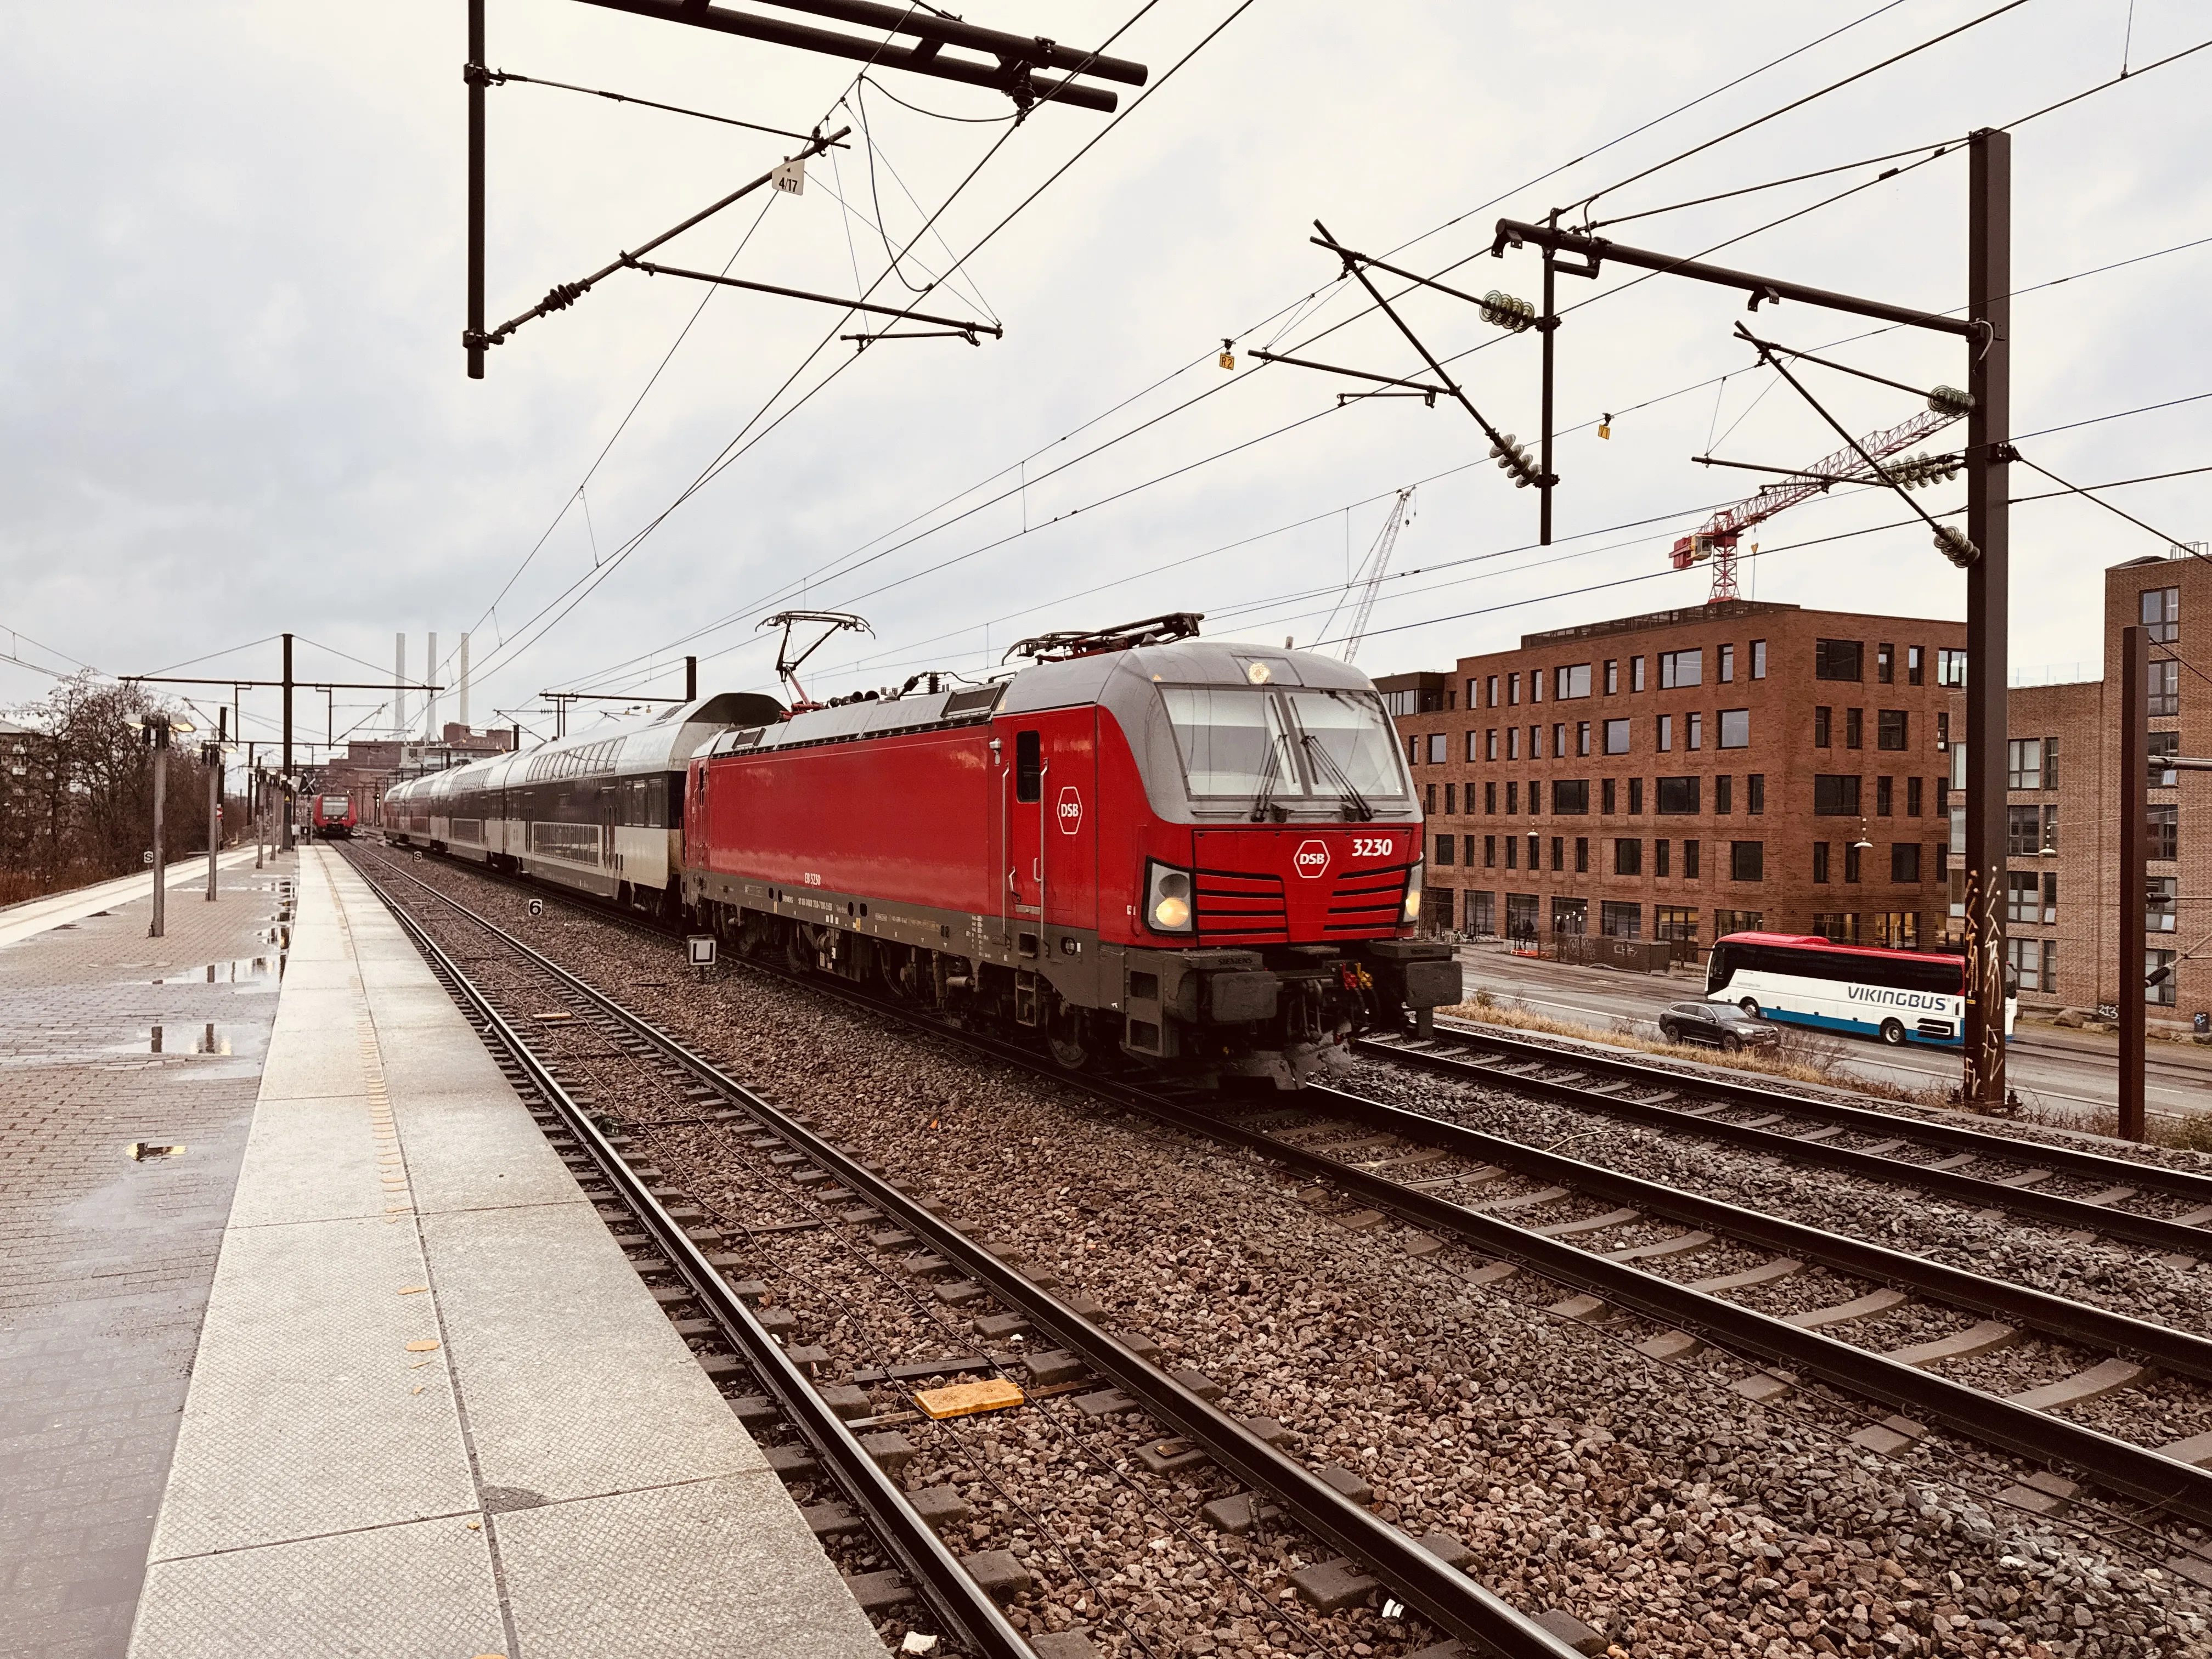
{"points": [[1247, 743]]}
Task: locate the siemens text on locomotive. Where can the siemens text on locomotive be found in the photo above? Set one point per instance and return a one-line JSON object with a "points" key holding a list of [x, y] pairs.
{"points": [[1201, 856]]}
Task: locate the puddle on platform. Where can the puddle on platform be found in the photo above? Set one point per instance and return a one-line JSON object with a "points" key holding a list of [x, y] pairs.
{"points": [[186, 1040], [246, 971]]}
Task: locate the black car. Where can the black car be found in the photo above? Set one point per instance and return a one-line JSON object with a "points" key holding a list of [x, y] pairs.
{"points": [[1720, 1024]]}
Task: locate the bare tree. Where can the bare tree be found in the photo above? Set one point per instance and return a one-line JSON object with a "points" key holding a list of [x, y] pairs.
{"points": [[81, 810]]}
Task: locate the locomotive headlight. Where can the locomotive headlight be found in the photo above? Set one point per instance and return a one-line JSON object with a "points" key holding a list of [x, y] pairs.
{"points": [[1258, 673], [1167, 899], [1413, 892]]}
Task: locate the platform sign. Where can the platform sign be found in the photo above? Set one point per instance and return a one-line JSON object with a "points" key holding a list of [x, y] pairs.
{"points": [[536, 909], [700, 949]]}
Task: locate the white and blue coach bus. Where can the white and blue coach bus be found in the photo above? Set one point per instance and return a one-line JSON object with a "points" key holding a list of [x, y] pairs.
{"points": [[1900, 996]]}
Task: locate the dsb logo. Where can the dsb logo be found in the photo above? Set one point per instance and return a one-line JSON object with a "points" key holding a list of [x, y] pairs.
{"points": [[1311, 860]]}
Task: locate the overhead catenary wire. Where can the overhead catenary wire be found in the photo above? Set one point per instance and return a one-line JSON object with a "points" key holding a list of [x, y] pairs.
{"points": [[501, 77]]}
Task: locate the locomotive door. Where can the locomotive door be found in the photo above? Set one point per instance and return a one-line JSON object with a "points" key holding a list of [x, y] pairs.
{"points": [[1052, 834]]}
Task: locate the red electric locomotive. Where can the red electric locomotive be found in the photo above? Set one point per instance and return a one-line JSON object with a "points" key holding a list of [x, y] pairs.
{"points": [[333, 817], [1202, 855]]}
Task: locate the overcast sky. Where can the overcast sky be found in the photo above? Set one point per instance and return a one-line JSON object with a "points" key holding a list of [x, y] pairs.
{"points": [[235, 402]]}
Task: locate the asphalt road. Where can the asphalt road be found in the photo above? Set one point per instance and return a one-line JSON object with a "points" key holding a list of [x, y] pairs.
{"points": [[2064, 1069]]}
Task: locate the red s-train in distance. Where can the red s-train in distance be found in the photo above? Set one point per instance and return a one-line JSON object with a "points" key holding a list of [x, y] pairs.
{"points": [[333, 817], [1202, 855]]}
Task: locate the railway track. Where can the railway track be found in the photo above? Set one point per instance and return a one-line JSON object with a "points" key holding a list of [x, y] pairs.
{"points": [[1415, 1571], [2134, 1351], [1873, 1145]]}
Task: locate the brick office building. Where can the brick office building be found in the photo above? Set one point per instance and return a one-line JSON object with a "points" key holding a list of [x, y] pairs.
{"points": [[2062, 880], [1691, 773]]}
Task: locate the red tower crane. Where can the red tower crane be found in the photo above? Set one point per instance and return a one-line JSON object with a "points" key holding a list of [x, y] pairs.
{"points": [[1715, 540]]}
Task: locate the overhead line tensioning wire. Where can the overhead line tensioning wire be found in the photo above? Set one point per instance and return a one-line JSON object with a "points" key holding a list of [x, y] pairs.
{"points": [[1799, 103]]}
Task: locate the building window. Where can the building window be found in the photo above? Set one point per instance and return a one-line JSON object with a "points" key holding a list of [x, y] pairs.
{"points": [[1899, 930], [1821, 726], [1695, 724], [1535, 742], [1636, 673], [1724, 794], [2159, 965], [1916, 666], [1754, 793], [1904, 860], [1621, 921], [1412, 751], [2024, 763], [2165, 679], [1581, 737], [1674, 921], [1616, 737], [1913, 797], [1851, 851], [1445, 848], [1490, 699], [1627, 857], [1892, 729], [1758, 670], [1490, 799], [2023, 831], [1747, 860], [1474, 747], [1490, 852], [2023, 895], [1513, 852], [1606, 792], [2161, 613], [1728, 666], [1835, 795], [1942, 730], [1820, 861], [1570, 795], [1535, 796], [1451, 799], [1482, 914], [1666, 724], [1558, 741], [1569, 915], [1437, 752], [1854, 728], [1429, 801], [2164, 825], [1885, 664], [1572, 682], [1612, 675], [1678, 795], [1679, 669], [1840, 928], [1536, 854], [1737, 922], [2050, 829], [1839, 659], [1950, 668], [1690, 860], [1513, 690], [1521, 915], [1513, 743], [1558, 852], [1512, 800], [1582, 855], [2050, 895], [1635, 796], [1882, 796], [2051, 763], [2159, 903], [1535, 685], [1736, 728], [1663, 858], [2160, 748]]}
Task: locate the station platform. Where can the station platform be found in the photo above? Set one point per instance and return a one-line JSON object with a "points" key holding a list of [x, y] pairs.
{"points": [[432, 1409]]}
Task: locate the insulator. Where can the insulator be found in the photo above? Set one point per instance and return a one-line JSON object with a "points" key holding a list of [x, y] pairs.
{"points": [[1949, 400], [1512, 457], [1501, 310], [1922, 470], [1952, 544]]}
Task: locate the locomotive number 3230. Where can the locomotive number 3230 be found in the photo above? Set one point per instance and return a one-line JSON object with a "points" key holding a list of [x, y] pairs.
{"points": [[1370, 847]]}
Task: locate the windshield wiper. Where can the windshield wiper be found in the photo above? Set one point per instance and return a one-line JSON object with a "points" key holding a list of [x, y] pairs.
{"points": [[1263, 804], [1355, 804]]}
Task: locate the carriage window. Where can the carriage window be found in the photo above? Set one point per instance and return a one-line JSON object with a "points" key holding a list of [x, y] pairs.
{"points": [[1029, 765]]}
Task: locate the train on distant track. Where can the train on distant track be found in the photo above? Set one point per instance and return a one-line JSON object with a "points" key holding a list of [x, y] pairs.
{"points": [[333, 817], [1204, 857]]}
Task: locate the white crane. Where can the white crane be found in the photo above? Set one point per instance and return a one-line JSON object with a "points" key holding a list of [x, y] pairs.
{"points": [[1367, 581]]}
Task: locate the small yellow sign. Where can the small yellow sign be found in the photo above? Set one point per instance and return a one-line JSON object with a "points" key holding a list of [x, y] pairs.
{"points": [[966, 1399]]}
